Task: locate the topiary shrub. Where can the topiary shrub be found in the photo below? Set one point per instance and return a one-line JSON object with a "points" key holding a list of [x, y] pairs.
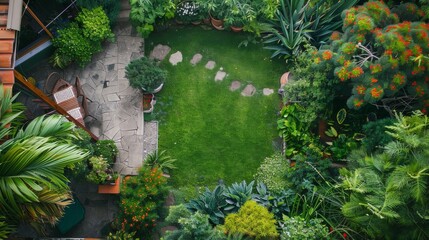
{"points": [[252, 220], [145, 75], [272, 173]]}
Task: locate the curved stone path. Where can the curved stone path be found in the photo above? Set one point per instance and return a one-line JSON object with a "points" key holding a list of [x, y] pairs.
{"points": [[161, 51]]}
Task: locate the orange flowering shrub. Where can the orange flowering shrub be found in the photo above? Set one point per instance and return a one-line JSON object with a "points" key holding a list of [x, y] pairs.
{"points": [[380, 52], [141, 199]]}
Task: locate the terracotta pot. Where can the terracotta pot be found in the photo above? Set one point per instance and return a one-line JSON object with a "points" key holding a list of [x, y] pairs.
{"points": [[236, 29], [206, 21], [217, 23], [196, 23]]}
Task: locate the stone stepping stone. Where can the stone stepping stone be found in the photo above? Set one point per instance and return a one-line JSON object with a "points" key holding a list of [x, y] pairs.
{"points": [[210, 65], [159, 52], [176, 58], [248, 91], [235, 85], [267, 91], [220, 75], [196, 59]]}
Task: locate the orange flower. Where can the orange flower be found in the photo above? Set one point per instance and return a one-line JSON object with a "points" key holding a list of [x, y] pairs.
{"points": [[374, 80], [360, 89], [376, 92], [327, 55]]}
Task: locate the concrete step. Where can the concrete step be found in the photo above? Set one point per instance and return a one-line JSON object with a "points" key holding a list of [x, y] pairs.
{"points": [[125, 5], [124, 15]]}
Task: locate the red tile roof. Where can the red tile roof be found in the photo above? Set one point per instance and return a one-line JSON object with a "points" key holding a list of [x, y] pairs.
{"points": [[7, 41]]}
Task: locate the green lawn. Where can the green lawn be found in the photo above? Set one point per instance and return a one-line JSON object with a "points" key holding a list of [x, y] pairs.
{"points": [[212, 132]]}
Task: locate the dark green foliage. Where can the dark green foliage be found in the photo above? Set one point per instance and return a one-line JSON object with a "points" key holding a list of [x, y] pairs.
{"points": [[297, 228], [107, 149], [310, 169], [81, 38], [298, 22], [375, 134], [145, 75], [5, 228], [388, 189], [277, 203], [311, 87], [292, 129], [145, 13], [211, 203]]}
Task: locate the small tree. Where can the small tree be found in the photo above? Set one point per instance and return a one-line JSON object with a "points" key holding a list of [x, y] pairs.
{"points": [[253, 220], [376, 55]]}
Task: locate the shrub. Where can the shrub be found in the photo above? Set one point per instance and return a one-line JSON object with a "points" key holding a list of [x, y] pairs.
{"points": [[272, 173], [194, 227], [95, 25], [145, 75], [82, 38], [100, 171], [106, 149], [375, 134], [297, 228], [388, 189], [144, 14], [141, 199], [252, 220], [177, 212], [381, 56]]}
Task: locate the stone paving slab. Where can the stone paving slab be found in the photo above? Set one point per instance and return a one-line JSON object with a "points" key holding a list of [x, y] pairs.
{"points": [[176, 58], [248, 91], [235, 85], [159, 52], [196, 59], [210, 65], [267, 91], [220, 75]]}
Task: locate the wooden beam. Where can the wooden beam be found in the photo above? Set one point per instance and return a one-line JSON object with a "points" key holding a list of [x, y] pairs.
{"points": [[37, 20], [21, 79]]}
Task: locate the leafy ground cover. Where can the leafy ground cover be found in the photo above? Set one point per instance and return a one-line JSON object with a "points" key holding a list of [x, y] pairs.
{"points": [[212, 132]]}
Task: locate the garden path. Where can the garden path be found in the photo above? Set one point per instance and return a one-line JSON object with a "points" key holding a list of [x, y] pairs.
{"points": [[161, 51], [115, 104]]}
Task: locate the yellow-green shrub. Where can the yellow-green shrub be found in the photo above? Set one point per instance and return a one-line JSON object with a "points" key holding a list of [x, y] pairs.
{"points": [[252, 220]]}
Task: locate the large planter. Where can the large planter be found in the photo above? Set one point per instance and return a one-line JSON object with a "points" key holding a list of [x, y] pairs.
{"points": [[148, 102], [216, 23], [156, 90], [236, 29]]}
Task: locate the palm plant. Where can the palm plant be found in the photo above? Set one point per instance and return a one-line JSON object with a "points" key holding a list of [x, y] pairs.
{"points": [[33, 187], [160, 160]]}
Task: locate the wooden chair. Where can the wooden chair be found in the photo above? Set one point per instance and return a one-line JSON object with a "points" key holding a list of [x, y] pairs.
{"points": [[84, 99], [50, 82]]}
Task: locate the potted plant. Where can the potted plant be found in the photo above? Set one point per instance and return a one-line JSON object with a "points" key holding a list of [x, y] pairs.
{"points": [[106, 149], [238, 14], [145, 75], [100, 171], [216, 10]]}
